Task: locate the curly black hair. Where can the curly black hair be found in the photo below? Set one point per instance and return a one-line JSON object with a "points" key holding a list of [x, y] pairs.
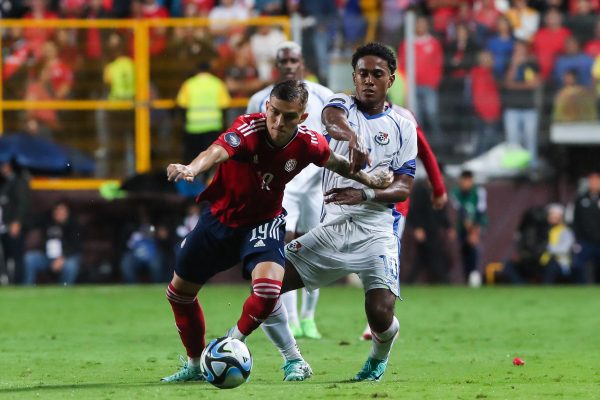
{"points": [[378, 50]]}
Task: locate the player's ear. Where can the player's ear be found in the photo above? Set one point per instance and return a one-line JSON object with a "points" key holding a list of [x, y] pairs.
{"points": [[267, 105], [303, 117], [354, 77], [392, 80]]}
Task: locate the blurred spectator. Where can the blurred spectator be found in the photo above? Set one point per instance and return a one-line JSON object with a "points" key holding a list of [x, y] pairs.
{"points": [[317, 36], [39, 88], [242, 78], [192, 216], [61, 240], [531, 237], [263, 45], [501, 47], [37, 37], [586, 221], [596, 76], [15, 202], [428, 227], [556, 260], [227, 10], [72, 8], [60, 73], [201, 8], [391, 19], [93, 36], [573, 6], [485, 98], [270, 7], [143, 253], [12, 8], [470, 202], [582, 22], [150, 9], [354, 25], [576, 61], [521, 98], [592, 47], [524, 20], [204, 97], [429, 58], [574, 102], [460, 57], [486, 16], [119, 73], [549, 42]]}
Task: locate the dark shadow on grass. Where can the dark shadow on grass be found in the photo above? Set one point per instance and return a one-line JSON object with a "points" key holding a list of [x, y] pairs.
{"points": [[99, 385]]}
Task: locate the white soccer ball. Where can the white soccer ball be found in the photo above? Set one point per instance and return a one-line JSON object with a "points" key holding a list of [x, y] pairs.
{"points": [[226, 363]]}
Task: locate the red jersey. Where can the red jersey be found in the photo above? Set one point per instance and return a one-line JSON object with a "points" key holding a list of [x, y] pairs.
{"points": [[248, 187], [428, 159]]}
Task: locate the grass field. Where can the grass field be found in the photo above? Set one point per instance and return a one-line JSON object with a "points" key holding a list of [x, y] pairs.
{"points": [[455, 343]]}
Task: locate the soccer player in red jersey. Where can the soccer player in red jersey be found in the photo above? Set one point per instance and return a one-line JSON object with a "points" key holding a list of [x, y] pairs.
{"points": [[245, 222]]}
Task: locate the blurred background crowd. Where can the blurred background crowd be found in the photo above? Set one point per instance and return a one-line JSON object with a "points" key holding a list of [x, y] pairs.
{"points": [[508, 94]]}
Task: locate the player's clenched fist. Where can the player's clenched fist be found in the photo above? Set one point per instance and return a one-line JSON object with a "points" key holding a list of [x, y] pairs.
{"points": [[175, 172]]}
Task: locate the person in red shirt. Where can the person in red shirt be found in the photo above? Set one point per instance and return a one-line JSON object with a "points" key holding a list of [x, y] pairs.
{"points": [[245, 221], [36, 37], [486, 102], [429, 59], [61, 75], [592, 48], [549, 42]]}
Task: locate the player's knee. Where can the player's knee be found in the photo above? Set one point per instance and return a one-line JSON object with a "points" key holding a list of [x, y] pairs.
{"points": [[265, 295]]}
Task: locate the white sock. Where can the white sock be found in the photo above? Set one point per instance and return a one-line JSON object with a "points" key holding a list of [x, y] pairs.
{"points": [[194, 362], [236, 334], [290, 300], [277, 330], [382, 342], [309, 303]]}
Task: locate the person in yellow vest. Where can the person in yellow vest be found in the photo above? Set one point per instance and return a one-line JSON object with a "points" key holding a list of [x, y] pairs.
{"points": [[119, 78], [204, 98]]}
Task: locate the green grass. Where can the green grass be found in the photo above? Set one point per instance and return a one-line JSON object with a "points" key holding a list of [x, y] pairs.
{"points": [[455, 343]]}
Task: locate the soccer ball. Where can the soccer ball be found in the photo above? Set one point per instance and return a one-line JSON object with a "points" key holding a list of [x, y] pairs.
{"points": [[226, 363]]}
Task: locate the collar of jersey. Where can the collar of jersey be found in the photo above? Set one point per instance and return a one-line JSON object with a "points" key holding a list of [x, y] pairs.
{"points": [[273, 145], [382, 114]]}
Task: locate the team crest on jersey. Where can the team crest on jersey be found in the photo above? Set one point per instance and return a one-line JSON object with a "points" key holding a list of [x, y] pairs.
{"points": [[294, 246], [382, 138], [232, 139], [290, 165]]}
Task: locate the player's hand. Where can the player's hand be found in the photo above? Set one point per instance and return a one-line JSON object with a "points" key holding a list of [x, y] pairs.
{"points": [[439, 202], [359, 154], [175, 172], [380, 179], [344, 196]]}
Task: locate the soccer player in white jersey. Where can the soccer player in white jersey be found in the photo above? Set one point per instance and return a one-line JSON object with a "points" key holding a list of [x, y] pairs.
{"points": [[359, 230], [303, 197]]}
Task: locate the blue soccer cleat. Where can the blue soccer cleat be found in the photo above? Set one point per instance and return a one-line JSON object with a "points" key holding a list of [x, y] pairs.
{"points": [[373, 370], [187, 373], [296, 370]]}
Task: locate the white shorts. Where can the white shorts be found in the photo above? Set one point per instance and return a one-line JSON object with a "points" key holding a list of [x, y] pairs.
{"points": [[331, 251], [303, 206]]}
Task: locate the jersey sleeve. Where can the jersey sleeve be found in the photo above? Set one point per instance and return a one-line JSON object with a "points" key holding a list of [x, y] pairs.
{"points": [[232, 140], [320, 151], [430, 162], [183, 96], [339, 100], [404, 162]]}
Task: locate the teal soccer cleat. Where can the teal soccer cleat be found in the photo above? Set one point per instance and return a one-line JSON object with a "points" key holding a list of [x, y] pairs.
{"points": [[185, 374], [296, 370], [373, 370]]}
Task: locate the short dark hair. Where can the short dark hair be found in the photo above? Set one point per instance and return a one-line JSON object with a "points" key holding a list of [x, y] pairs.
{"points": [[377, 50], [291, 90], [466, 174]]}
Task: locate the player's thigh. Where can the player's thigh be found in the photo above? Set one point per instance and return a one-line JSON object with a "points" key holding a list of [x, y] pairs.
{"points": [[377, 261], [208, 249], [316, 256], [263, 245]]}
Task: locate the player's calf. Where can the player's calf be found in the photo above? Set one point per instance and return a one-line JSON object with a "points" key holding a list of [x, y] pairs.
{"points": [[257, 307]]}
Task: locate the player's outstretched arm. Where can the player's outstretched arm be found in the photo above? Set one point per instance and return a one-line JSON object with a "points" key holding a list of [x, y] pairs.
{"points": [[399, 190], [336, 123], [379, 179], [212, 156]]}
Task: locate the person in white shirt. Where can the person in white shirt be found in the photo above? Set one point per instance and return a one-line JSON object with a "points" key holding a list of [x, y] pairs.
{"points": [[358, 233], [303, 197]]}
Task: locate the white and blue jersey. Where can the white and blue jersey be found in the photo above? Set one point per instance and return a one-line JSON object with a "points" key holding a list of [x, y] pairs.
{"points": [[391, 139]]}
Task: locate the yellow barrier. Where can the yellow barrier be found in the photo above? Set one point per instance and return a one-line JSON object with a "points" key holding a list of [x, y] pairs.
{"points": [[142, 103]]}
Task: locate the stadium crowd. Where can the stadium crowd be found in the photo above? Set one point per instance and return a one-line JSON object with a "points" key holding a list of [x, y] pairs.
{"points": [[513, 67]]}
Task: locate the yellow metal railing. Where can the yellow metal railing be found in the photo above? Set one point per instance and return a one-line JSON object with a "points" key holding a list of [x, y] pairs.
{"points": [[142, 103]]}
